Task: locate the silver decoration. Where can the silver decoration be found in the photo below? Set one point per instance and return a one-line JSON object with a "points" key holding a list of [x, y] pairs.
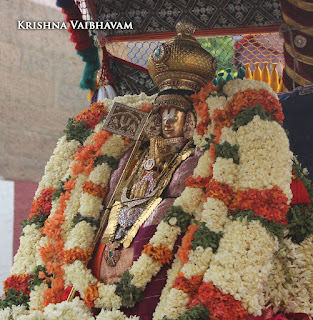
{"points": [[300, 41]]}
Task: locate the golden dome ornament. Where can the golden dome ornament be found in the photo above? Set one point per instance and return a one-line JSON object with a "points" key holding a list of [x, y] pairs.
{"points": [[181, 63]]}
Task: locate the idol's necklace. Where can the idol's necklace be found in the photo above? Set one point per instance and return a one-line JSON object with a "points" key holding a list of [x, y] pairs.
{"points": [[128, 215]]}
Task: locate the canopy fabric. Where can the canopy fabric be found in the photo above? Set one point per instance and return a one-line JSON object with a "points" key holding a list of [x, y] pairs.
{"points": [[153, 17]]}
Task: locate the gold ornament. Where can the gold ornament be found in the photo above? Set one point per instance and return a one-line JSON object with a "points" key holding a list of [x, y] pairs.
{"points": [[181, 63], [172, 101]]}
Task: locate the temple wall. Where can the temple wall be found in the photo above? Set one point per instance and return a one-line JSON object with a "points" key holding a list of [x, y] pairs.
{"points": [[40, 73]]}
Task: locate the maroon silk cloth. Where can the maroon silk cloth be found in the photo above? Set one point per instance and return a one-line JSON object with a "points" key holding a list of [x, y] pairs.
{"points": [[282, 316], [152, 293]]}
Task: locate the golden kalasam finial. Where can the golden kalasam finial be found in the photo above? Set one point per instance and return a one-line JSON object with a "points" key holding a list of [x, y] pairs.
{"points": [[185, 27], [181, 63]]}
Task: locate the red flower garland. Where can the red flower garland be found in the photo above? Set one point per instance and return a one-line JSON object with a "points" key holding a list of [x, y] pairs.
{"points": [[271, 204], [18, 282], [43, 203], [222, 306]]}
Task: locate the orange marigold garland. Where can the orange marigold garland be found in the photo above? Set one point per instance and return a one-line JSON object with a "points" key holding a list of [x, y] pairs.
{"points": [[91, 294], [69, 256], [183, 251], [52, 256], [160, 253], [222, 306], [203, 94], [52, 252], [100, 138], [248, 99], [271, 204], [220, 191], [202, 108], [84, 157], [189, 286], [94, 189], [146, 107], [84, 160], [93, 115], [198, 182]]}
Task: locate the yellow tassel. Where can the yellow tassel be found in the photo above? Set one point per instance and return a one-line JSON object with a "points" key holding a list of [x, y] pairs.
{"points": [[274, 81], [248, 74], [257, 72], [281, 86], [91, 93], [265, 73]]}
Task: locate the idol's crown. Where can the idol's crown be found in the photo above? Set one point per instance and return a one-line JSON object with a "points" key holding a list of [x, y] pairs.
{"points": [[181, 63]]}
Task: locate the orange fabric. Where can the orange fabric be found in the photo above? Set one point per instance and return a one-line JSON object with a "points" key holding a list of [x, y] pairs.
{"points": [[95, 263]]}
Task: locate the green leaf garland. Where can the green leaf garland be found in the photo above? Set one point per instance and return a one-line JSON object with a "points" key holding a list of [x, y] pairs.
{"points": [[275, 229], [197, 313], [111, 161], [37, 281], [39, 221], [183, 219], [205, 238], [247, 115], [300, 222], [127, 291], [77, 130], [79, 218], [228, 151], [14, 298]]}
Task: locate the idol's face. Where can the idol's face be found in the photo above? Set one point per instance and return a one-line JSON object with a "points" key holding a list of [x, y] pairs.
{"points": [[173, 121]]}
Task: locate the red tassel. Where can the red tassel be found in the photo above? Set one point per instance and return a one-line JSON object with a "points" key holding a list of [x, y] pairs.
{"points": [[105, 71], [80, 37], [300, 195]]}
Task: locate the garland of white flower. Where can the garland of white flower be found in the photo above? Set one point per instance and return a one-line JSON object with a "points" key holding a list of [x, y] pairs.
{"points": [[244, 282], [59, 169], [290, 284], [272, 166], [245, 279], [214, 213], [26, 258]]}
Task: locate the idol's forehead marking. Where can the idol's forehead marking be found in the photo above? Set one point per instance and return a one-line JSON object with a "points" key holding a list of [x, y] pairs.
{"points": [[169, 113]]}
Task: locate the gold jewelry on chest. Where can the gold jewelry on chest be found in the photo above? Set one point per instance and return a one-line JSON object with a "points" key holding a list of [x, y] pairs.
{"points": [[130, 212]]}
